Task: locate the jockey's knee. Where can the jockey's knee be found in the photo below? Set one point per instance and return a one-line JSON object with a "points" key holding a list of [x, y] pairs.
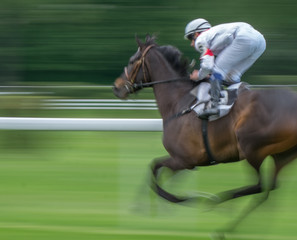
{"points": [[234, 77]]}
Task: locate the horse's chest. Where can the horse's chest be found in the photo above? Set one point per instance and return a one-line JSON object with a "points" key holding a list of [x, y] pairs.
{"points": [[183, 143]]}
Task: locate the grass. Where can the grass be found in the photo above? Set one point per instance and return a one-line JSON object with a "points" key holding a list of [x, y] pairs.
{"points": [[92, 185]]}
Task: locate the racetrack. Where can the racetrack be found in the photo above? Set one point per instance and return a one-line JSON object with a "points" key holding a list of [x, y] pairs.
{"points": [[92, 185]]}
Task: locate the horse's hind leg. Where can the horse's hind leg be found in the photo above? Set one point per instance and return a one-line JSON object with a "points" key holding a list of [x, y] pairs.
{"points": [[281, 160]]}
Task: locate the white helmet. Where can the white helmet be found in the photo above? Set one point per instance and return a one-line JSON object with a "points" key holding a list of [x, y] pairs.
{"points": [[197, 25]]}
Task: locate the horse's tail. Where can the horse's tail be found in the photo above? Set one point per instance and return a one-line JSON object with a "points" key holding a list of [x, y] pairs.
{"points": [[156, 166]]}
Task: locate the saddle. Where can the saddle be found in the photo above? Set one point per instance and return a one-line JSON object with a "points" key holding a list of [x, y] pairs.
{"points": [[227, 99]]}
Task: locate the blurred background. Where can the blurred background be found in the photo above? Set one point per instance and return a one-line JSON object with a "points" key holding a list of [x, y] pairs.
{"points": [[58, 58], [89, 41]]}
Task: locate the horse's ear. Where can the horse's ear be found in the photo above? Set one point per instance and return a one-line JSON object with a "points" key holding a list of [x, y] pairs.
{"points": [[147, 38], [139, 42], [150, 39]]}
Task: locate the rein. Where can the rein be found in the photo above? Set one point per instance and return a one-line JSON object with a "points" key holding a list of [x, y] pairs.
{"points": [[149, 84]]}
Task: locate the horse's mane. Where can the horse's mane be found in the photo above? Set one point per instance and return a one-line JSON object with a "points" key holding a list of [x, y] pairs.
{"points": [[175, 59], [173, 55]]}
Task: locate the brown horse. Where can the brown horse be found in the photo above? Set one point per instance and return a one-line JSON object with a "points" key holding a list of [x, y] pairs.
{"points": [[261, 123]]}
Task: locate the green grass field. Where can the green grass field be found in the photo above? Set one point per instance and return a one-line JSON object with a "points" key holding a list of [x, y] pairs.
{"points": [[92, 185]]}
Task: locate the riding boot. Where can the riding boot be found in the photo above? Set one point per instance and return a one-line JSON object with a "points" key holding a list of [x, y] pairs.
{"points": [[215, 92]]}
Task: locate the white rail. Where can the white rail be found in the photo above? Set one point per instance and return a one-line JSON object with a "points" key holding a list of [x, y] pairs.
{"points": [[107, 104], [81, 124]]}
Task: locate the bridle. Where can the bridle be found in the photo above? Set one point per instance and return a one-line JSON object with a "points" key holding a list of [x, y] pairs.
{"points": [[131, 86]]}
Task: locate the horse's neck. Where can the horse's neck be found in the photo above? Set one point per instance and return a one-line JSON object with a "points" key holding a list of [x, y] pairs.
{"points": [[169, 95]]}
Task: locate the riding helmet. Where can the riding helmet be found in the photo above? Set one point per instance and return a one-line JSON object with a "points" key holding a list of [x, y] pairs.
{"points": [[197, 25]]}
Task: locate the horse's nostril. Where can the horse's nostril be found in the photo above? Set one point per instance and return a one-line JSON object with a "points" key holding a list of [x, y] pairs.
{"points": [[115, 90]]}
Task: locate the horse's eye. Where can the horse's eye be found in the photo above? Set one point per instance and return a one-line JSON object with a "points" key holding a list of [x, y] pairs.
{"points": [[132, 61]]}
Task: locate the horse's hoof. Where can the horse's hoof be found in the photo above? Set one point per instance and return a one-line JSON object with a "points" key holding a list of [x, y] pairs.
{"points": [[217, 236]]}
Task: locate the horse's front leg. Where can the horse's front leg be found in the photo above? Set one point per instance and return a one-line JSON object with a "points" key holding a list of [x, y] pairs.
{"points": [[175, 166], [253, 204], [239, 192], [156, 166]]}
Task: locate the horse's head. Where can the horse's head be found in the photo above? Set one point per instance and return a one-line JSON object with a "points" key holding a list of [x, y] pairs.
{"points": [[135, 73]]}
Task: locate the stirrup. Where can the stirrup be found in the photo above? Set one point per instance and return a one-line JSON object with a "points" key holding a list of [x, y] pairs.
{"points": [[209, 112]]}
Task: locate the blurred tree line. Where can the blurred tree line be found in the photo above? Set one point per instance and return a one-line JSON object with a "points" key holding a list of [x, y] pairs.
{"points": [[90, 41]]}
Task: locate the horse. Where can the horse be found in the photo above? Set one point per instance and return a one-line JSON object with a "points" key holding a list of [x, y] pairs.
{"points": [[261, 123]]}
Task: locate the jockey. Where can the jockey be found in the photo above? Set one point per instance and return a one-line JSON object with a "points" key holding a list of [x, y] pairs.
{"points": [[227, 51]]}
